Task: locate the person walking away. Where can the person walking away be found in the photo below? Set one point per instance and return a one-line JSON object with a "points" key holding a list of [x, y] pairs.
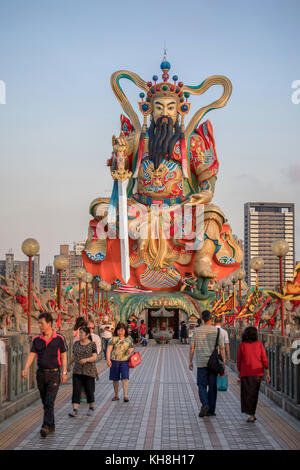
{"points": [[183, 332], [106, 332], [134, 331], [80, 321], [85, 371], [119, 349], [252, 364], [51, 351], [203, 344], [95, 338], [218, 324], [190, 333], [143, 329]]}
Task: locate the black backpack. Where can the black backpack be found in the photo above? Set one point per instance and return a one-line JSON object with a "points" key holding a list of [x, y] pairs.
{"points": [[215, 363]]}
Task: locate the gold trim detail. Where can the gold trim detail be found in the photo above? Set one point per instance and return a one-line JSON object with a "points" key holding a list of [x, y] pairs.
{"points": [[121, 174], [219, 103]]}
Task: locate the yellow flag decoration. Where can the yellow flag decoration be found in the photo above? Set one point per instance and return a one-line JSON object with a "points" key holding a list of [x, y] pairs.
{"points": [[252, 301]]}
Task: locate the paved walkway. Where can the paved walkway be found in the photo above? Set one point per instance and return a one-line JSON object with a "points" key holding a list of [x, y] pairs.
{"points": [[162, 414]]}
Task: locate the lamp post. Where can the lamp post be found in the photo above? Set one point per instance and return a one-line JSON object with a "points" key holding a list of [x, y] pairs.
{"points": [[79, 273], [234, 281], [280, 248], [257, 263], [217, 289], [223, 287], [98, 296], [30, 248], [240, 275], [87, 279], [94, 284], [60, 263], [226, 283]]}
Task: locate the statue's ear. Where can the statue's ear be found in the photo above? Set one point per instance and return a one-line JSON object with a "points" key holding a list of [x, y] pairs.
{"points": [[146, 108], [184, 109]]}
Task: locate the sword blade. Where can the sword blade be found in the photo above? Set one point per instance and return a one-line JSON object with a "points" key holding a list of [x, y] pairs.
{"points": [[123, 230]]}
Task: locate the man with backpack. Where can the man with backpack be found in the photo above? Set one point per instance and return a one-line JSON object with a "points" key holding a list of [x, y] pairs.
{"points": [[204, 342]]}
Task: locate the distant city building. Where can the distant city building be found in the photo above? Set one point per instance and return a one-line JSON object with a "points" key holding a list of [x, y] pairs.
{"points": [[2, 267], [20, 268], [239, 241], [263, 223], [48, 278], [78, 247], [75, 261]]}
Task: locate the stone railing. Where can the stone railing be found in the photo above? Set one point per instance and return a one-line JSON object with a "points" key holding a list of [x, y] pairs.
{"points": [[15, 392], [284, 364]]}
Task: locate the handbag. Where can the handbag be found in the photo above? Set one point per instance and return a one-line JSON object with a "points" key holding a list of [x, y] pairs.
{"points": [[215, 363], [222, 383], [134, 360]]}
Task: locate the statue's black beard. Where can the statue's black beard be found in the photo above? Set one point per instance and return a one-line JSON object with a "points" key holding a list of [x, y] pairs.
{"points": [[162, 139]]}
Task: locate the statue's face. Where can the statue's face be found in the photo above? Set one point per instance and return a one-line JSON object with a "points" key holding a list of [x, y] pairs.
{"points": [[164, 106]]}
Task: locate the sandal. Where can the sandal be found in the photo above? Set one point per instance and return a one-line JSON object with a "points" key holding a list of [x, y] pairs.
{"points": [[126, 399], [115, 399], [249, 420]]}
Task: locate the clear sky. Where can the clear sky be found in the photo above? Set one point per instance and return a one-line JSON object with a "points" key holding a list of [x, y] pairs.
{"points": [[56, 59]]}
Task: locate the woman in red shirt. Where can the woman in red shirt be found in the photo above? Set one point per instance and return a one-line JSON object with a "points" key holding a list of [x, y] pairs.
{"points": [[251, 362]]}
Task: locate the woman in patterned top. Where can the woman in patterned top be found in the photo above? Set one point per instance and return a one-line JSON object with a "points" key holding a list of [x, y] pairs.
{"points": [[85, 371], [119, 348], [81, 321]]}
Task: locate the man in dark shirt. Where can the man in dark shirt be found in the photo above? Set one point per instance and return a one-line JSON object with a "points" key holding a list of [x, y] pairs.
{"points": [[51, 351]]}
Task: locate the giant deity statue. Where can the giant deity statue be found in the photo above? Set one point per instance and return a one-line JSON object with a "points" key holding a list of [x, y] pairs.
{"points": [[162, 164]]}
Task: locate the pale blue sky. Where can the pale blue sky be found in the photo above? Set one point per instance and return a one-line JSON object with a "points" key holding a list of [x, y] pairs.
{"points": [[56, 58]]}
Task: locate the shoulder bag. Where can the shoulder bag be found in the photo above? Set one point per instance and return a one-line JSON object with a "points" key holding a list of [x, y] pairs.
{"points": [[215, 363]]}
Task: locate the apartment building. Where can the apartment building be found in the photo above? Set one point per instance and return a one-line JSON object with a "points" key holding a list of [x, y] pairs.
{"points": [[263, 223]]}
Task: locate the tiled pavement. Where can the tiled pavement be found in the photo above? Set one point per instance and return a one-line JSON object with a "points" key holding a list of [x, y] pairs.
{"points": [[162, 414]]}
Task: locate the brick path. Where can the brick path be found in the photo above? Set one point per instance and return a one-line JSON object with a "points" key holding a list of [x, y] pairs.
{"points": [[162, 414]]}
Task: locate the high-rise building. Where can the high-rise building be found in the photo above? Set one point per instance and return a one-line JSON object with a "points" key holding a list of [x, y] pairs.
{"points": [[263, 223], [48, 278]]}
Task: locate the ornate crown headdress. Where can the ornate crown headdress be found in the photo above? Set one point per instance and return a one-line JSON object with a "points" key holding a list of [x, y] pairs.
{"points": [[165, 88]]}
